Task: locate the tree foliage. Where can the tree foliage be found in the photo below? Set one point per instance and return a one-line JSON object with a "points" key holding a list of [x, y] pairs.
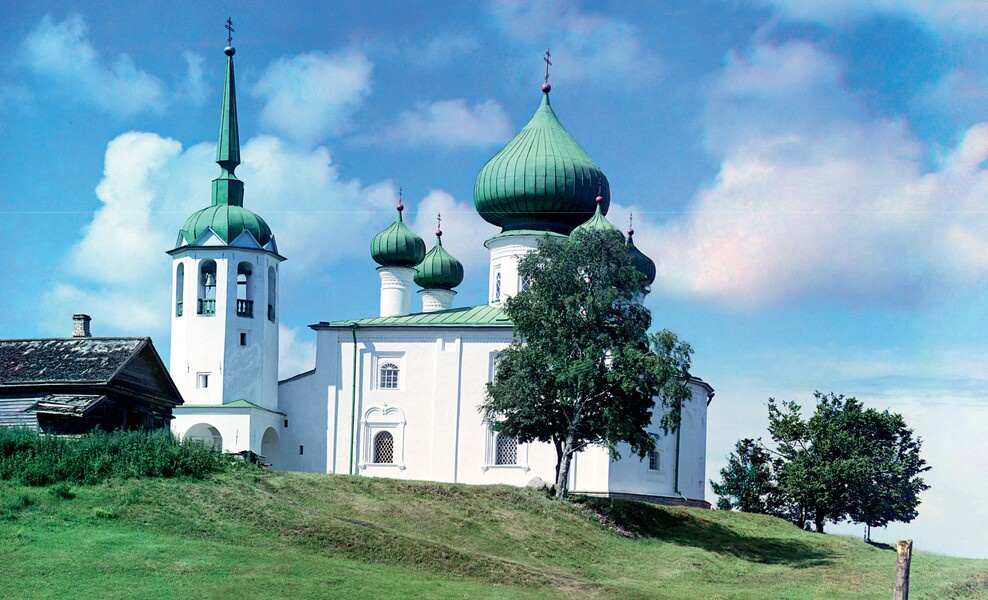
{"points": [[583, 369], [844, 462]]}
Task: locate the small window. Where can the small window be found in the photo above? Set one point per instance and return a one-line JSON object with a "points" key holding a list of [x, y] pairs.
{"points": [[384, 448], [388, 379], [497, 286], [654, 461], [243, 338], [525, 281], [301, 450], [286, 423], [202, 380], [506, 450]]}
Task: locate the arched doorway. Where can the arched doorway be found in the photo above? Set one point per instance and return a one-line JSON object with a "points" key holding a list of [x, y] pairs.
{"points": [[204, 432], [269, 446]]}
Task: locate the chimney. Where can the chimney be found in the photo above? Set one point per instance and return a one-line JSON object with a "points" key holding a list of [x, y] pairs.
{"points": [[80, 326]]}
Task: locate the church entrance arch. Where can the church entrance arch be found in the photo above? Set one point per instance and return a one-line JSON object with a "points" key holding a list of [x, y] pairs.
{"points": [[269, 446], [204, 432]]}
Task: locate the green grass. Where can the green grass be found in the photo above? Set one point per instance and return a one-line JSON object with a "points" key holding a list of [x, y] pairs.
{"points": [[245, 532]]}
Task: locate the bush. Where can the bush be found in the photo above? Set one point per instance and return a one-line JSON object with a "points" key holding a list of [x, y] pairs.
{"points": [[62, 491], [39, 460]]}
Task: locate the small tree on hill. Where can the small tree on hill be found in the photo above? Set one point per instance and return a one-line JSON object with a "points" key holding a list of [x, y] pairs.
{"points": [[748, 482], [583, 369]]}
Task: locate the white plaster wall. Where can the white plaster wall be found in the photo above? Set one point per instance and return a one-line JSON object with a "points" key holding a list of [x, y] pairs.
{"points": [[506, 253], [240, 428], [396, 290], [211, 343]]}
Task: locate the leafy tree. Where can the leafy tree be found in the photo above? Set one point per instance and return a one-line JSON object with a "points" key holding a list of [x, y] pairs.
{"points": [[584, 369], [748, 482], [847, 461]]}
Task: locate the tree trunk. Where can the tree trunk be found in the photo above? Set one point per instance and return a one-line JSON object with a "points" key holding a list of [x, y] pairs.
{"points": [[559, 455], [818, 521], [562, 475]]}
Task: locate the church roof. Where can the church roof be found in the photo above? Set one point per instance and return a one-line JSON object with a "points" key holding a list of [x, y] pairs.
{"points": [[542, 179], [439, 270], [397, 246], [468, 316], [65, 360], [226, 216]]}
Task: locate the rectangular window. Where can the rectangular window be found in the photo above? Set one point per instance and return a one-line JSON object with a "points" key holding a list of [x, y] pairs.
{"points": [[654, 461], [243, 338], [286, 423], [497, 286], [202, 380], [301, 450]]}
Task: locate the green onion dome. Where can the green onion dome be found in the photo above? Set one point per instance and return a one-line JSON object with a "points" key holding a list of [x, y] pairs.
{"points": [[599, 223], [439, 270], [227, 221], [541, 180], [644, 264], [397, 246]]}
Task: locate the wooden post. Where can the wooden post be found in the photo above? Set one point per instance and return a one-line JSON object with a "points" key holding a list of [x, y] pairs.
{"points": [[904, 556]]}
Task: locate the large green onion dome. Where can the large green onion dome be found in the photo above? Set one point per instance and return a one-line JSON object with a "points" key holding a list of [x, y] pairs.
{"points": [[397, 246], [439, 270], [227, 221], [541, 180], [599, 223], [644, 264]]}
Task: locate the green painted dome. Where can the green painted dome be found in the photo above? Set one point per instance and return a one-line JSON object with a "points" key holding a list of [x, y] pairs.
{"points": [[598, 222], [397, 246], [541, 180], [439, 269], [228, 221], [644, 264]]}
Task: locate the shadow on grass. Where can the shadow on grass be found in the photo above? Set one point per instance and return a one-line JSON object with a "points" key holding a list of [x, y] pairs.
{"points": [[644, 520]]}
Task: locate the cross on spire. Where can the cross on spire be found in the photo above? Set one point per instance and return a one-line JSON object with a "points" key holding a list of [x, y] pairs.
{"points": [[548, 63], [439, 224], [229, 31]]}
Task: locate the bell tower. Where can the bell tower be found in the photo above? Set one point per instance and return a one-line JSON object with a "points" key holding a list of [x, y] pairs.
{"points": [[225, 305]]}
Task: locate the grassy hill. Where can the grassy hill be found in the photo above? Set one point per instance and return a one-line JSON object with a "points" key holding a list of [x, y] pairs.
{"points": [[252, 533]]}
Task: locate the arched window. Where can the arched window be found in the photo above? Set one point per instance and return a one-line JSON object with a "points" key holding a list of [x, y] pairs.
{"points": [[505, 450], [179, 288], [388, 378], [497, 286], [245, 303], [272, 286], [207, 288], [384, 448]]}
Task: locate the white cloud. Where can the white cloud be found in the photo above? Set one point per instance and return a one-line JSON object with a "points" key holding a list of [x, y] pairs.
{"points": [[62, 52], [193, 88], [118, 271], [450, 124], [295, 355], [310, 96], [966, 17], [584, 45], [441, 49], [815, 200], [462, 231]]}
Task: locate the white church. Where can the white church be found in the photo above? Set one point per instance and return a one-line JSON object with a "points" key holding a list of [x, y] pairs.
{"points": [[397, 394]]}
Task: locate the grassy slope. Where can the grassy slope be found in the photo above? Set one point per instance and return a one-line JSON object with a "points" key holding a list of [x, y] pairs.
{"points": [[257, 534]]}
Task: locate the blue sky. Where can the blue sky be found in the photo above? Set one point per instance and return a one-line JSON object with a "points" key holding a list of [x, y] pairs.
{"points": [[809, 177]]}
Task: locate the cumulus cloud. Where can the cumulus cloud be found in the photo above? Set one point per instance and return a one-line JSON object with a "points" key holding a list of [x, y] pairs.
{"points": [[310, 96], [964, 17], [441, 49], [462, 230], [61, 51], [450, 124], [815, 200], [118, 270], [584, 45], [295, 354]]}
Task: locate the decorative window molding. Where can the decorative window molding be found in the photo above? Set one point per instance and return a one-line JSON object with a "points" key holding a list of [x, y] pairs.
{"points": [[389, 420], [504, 452], [388, 371]]}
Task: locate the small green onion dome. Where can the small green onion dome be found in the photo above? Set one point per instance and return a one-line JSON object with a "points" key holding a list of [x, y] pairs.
{"points": [[397, 246], [439, 270], [541, 180], [228, 221], [644, 264], [598, 222]]}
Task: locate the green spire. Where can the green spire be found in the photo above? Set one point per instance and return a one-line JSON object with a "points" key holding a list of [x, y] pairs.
{"points": [[227, 189], [598, 222], [644, 264]]}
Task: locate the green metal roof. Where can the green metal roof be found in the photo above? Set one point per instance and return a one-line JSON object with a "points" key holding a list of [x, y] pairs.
{"points": [[469, 316], [598, 222], [397, 246], [439, 270], [542, 179], [235, 404], [227, 216]]}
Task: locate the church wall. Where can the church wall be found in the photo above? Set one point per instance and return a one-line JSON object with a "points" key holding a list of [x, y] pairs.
{"points": [[304, 402]]}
